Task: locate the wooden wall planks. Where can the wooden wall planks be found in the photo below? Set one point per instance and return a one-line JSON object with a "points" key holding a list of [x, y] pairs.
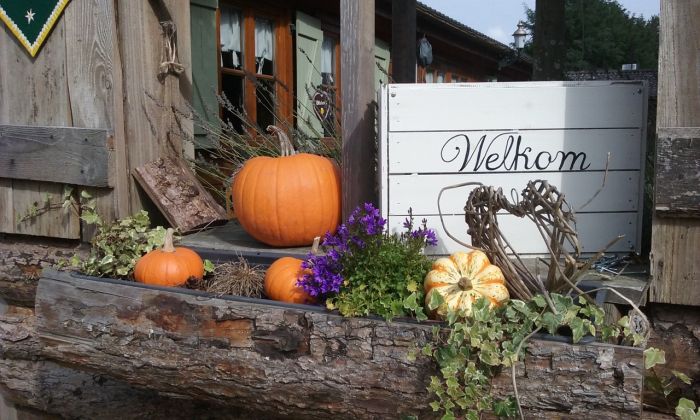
{"points": [[34, 92], [92, 66], [151, 129], [98, 70], [675, 260]]}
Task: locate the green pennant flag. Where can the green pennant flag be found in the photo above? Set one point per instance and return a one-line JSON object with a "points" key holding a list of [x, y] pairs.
{"points": [[31, 21]]}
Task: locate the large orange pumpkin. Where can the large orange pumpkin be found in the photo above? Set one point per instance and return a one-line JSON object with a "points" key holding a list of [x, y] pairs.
{"points": [[169, 266], [287, 200], [281, 281], [461, 279]]}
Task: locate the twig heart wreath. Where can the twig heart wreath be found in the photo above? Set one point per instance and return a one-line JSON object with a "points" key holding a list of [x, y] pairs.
{"points": [[555, 220]]}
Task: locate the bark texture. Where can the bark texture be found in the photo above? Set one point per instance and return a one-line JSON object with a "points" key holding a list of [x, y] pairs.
{"points": [[179, 196], [22, 260], [295, 361], [53, 390]]}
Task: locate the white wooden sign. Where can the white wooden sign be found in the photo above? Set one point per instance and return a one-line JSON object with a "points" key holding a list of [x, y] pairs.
{"points": [[506, 134]]}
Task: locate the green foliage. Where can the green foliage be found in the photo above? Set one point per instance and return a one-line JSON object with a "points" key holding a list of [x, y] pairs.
{"points": [[667, 384], [686, 410], [36, 209], [653, 357], [384, 278], [601, 34], [117, 246], [474, 349]]}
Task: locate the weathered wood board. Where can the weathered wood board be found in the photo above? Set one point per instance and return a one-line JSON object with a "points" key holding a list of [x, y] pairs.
{"points": [[357, 83], [675, 261], [677, 184], [296, 360], [67, 155], [179, 196], [571, 134]]}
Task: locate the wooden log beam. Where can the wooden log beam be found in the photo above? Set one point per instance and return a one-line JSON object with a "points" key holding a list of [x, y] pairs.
{"points": [[357, 84], [677, 185], [48, 389], [67, 155], [295, 360], [403, 41]]}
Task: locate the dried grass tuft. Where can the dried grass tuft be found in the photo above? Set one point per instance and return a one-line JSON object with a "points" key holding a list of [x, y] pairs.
{"points": [[233, 278]]}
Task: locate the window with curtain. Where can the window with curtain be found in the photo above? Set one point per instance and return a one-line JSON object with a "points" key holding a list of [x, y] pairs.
{"points": [[248, 61]]}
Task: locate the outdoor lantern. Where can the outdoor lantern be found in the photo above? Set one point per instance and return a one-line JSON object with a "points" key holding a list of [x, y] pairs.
{"points": [[519, 36], [513, 55]]}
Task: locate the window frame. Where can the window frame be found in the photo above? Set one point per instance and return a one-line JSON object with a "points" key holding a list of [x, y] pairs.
{"points": [[282, 64]]}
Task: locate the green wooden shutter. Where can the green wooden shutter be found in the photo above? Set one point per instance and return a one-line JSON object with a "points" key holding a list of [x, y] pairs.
{"points": [[205, 80], [381, 71], [309, 38]]}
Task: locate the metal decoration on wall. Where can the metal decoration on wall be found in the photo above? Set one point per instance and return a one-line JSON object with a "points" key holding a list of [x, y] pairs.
{"points": [[322, 104], [31, 21]]}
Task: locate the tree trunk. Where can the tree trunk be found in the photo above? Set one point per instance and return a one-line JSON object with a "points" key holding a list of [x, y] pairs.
{"points": [[549, 47], [295, 360]]}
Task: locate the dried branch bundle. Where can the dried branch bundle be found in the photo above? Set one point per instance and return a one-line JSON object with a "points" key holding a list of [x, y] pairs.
{"points": [[554, 218]]}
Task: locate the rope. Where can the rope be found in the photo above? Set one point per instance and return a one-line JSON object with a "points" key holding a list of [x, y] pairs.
{"points": [[169, 62]]}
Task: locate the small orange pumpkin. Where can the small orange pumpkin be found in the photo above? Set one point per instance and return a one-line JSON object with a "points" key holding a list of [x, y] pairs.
{"points": [[281, 281], [169, 266], [287, 200], [461, 279], [282, 277]]}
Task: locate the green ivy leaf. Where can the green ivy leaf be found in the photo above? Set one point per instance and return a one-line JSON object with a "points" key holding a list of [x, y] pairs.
{"points": [[505, 408], [411, 302], [686, 410], [420, 314], [208, 267], [682, 376], [653, 357], [550, 322], [540, 301], [577, 329], [435, 300], [90, 217]]}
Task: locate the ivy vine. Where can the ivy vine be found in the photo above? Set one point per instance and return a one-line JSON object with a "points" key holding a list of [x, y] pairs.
{"points": [[472, 350]]}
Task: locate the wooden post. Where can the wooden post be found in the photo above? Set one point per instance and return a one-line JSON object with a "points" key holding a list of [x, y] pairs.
{"points": [[675, 265], [403, 41], [357, 84]]}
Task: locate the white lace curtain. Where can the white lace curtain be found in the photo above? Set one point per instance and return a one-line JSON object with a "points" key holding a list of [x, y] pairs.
{"points": [[231, 32], [327, 56], [263, 42]]}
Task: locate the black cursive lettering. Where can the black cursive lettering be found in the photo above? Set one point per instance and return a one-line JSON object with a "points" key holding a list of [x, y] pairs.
{"points": [[506, 151]]}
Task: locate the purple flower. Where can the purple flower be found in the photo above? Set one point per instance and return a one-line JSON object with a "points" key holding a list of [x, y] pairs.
{"points": [[430, 237]]}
